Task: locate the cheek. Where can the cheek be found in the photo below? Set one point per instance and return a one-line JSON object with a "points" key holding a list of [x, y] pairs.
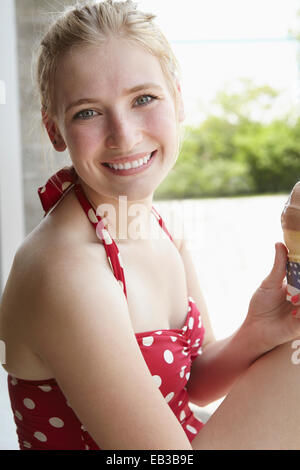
{"points": [[162, 125], [83, 137]]}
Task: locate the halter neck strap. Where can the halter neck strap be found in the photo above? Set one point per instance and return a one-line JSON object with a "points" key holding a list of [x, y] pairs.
{"points": [[59, 184], [56, 188]]}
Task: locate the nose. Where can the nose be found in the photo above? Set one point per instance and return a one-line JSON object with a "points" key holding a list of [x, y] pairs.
{"points": [[123, 132]]}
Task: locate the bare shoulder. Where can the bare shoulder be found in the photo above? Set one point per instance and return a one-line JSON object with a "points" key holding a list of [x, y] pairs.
{"points": [[61, 240], [43, 254], [72, 286], [61, 249], [49, 263], [45, 259]]}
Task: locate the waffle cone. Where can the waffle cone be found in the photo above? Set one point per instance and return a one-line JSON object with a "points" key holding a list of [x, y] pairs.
{"points": [[292, 241]]}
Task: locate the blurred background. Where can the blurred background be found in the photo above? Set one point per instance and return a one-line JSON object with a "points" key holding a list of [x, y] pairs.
{"points": [[240, 156]]}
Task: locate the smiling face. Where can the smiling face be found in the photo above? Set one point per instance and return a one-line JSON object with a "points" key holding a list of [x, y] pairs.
{"points": [[113, 104]]}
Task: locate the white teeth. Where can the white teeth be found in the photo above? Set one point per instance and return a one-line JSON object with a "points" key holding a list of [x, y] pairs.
{"points": [[128, 165]]}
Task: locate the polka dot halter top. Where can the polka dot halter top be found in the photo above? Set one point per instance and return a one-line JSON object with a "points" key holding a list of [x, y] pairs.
{"points": [[44, 419]]}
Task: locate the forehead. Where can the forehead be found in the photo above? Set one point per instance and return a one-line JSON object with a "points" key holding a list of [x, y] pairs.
{"points": [[105, 70]]}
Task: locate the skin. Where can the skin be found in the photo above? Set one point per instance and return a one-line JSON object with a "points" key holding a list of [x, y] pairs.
{"points": [[53, 300]]}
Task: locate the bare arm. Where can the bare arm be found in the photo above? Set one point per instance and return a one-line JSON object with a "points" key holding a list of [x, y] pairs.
{"points": [[80, 327], [268, 324], [216, 370]]}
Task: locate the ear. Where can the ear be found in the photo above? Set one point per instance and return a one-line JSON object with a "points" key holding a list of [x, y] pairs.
{"points": [[181, 113], [53, 132]]}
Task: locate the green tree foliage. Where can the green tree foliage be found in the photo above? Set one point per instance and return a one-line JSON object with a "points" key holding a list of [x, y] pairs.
{"points": [[237, 150]]}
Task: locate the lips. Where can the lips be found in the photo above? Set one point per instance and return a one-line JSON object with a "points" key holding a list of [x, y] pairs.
{"points": [[132, 171], [128, 159]]}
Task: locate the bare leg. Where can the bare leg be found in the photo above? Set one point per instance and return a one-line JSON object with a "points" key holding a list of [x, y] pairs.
{"points": [[262, 410]]}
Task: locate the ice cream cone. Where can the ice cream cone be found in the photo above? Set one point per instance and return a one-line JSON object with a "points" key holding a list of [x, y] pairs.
{"points": [[290, 221], [292, 241]]}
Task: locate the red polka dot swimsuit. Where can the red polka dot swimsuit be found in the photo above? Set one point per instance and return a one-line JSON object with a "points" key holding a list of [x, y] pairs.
{"points": [[44, 419]]}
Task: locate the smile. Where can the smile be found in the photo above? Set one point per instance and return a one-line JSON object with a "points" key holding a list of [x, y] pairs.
{"points": [[130, 168]]}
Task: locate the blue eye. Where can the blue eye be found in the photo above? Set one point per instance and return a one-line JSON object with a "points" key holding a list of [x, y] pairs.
{"points": [[145, 99], [85, 114]]}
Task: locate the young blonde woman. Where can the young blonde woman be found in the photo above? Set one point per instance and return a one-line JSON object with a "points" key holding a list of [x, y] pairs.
{"points": [[107, 335]]}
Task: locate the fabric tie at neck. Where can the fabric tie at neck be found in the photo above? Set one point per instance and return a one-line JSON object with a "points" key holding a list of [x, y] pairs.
{"points": [[56, 187]]}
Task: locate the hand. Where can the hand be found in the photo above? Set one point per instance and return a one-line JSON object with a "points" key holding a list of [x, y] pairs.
{"points": [[271, 318]]}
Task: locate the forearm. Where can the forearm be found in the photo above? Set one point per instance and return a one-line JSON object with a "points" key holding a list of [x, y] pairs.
{"points": [[221, 363]]}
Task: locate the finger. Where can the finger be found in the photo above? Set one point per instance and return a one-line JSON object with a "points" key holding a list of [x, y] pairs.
{"points": [[278, 272]]}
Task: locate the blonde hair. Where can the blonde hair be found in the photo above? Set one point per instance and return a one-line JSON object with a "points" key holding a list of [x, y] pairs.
{"points": [[91, 23]]}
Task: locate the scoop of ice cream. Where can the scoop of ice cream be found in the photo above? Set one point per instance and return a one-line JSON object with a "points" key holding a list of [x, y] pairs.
{"points": [[290, 217]]}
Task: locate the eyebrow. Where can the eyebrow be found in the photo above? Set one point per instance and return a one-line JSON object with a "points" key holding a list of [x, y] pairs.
{"points": [[130, 91]]}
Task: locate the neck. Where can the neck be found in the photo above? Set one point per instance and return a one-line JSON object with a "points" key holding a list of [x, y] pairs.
{"points": [[126, 220]]}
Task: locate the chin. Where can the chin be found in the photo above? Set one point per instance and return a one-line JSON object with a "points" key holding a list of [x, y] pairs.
{"points": [[138, 195]]}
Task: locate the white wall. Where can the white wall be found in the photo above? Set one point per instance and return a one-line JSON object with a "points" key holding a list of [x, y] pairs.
{"points": [[11, 186]]}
